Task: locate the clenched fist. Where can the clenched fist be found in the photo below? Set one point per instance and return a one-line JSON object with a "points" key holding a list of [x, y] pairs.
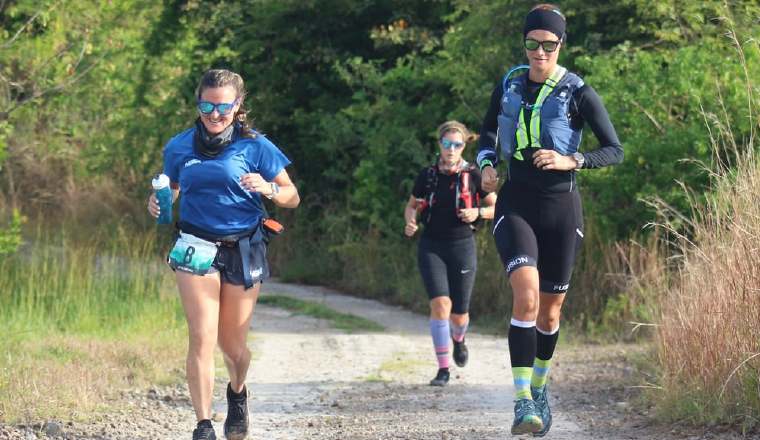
{"points": [[490, 179], [411, 227]]}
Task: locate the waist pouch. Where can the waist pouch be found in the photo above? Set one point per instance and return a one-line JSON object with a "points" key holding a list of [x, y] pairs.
{"points": [[194, 250]]}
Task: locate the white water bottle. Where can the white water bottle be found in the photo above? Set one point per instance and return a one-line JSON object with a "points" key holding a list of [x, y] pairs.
{"points": [[164, 197]]}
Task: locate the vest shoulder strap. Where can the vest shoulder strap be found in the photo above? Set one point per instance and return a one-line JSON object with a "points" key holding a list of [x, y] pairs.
{"points": [[518, 74], [513, 73], [571, 81]]}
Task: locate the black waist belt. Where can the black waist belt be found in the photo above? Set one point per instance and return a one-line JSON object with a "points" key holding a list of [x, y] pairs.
{"points": [[242, 240]]}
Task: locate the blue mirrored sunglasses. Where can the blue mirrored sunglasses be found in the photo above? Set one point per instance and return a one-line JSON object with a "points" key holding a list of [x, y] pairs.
{"points": [[222, 108], [448, 144]]}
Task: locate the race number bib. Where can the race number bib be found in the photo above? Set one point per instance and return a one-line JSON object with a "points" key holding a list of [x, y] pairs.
{"points": [[192, 254]]}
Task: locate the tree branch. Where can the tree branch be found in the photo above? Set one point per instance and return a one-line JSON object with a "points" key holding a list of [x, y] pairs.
{"points": [[21, 29], [648, 115], [58, 87]]}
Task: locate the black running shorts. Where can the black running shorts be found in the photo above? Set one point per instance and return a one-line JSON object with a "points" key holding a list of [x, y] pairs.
{"points": [[541, 229], [448, 269]]}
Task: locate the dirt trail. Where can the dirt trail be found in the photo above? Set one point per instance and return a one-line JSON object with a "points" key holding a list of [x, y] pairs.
{"points": [[311, 381]]}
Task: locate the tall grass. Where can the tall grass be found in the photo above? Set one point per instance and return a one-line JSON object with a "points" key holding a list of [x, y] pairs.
{"points": [[708, 338], [83, 319], [100, 286]]}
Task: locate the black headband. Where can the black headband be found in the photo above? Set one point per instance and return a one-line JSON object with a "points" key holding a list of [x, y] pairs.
{"points": [[545, 19]]}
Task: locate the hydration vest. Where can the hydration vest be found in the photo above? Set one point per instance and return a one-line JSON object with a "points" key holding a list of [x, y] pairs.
{"points": [[549, 123], [466, 196]]}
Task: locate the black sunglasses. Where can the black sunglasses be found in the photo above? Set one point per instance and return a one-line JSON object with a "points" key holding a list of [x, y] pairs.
{"points": [[548, 45]]}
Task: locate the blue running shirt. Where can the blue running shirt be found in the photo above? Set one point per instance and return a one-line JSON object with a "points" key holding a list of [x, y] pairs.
{"points": [[211, 197]]}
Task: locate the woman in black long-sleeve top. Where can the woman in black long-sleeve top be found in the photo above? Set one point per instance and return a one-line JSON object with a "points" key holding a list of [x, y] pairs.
{"points": [[539, 112]]}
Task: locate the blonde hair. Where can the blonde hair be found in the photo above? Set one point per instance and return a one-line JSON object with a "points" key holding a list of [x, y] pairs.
{"points": [[452, 125]]}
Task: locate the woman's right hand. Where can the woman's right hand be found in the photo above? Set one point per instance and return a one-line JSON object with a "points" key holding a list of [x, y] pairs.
{"points": [[489, 179], [153, 208], [411, 227]]}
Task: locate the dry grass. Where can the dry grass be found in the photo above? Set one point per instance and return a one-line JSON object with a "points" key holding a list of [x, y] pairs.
{"points": [[83, 321], [709, 338], [75, 377]]}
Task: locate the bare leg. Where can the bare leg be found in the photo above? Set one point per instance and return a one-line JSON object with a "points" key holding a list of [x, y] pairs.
{"points": [[524, 282], [549, 308], [235, 315], [440, 308], [200, 299]]}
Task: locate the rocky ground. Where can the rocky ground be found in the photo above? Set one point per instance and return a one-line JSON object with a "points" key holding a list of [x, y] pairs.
{"points": [[309, 380]]}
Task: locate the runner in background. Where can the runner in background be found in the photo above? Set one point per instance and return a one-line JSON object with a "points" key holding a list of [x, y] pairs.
{"points": [[450, 201]]}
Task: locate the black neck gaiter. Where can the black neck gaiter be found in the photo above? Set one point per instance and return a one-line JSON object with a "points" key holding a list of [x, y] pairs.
{"points": [[211, 145]]}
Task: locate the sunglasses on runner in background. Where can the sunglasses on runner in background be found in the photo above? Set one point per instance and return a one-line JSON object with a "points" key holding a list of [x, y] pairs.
{"points": [[447, 144], [222, 108], [548, 45]]}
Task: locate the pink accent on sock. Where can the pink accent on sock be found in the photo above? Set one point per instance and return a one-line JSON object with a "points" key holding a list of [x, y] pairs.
{"points": [[443, 361], [442, 354], [458, 331]]}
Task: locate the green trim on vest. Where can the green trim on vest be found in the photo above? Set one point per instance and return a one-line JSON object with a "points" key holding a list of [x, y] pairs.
{"points": [[523, 139]]}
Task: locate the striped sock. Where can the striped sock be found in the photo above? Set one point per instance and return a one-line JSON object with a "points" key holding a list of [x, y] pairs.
{"points": [[545, 344], [439, 330], [522, 377], [540, 372], [458, 331], [522, 351]]}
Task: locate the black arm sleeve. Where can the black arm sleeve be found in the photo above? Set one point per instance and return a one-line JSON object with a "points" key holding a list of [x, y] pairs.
{"points": [[591, 110], [487, 140]]}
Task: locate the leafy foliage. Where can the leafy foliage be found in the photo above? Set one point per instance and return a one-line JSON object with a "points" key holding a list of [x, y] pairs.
{"points": [[352, 92]]}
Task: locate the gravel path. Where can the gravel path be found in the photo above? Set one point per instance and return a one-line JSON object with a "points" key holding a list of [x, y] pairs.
{"points": [[310, 381], [374, 386]]}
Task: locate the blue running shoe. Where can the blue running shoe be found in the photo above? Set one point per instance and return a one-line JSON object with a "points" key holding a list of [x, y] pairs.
{"points": [[527, 418], [541, 397]]}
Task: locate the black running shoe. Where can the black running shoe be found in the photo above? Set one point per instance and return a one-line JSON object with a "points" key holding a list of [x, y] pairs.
{"points": [[441, 379], [204, 431], [461, 354], [236, 424]]}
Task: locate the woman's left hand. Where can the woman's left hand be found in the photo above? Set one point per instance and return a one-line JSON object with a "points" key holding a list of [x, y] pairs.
{"points": [[254, 182], [551, 160], [468, 215]]}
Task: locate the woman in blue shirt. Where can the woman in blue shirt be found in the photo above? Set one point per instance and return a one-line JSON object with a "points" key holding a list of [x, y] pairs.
{"points": [[222, 168]]}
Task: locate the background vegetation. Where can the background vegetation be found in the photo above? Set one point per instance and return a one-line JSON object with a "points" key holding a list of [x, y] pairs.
{"points": [[352, 91]]}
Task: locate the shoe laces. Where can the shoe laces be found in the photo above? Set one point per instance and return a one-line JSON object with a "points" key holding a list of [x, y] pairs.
{"points": [[539, 394], [237, 413], [237, 409], [203, 433], [524, 407]]}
